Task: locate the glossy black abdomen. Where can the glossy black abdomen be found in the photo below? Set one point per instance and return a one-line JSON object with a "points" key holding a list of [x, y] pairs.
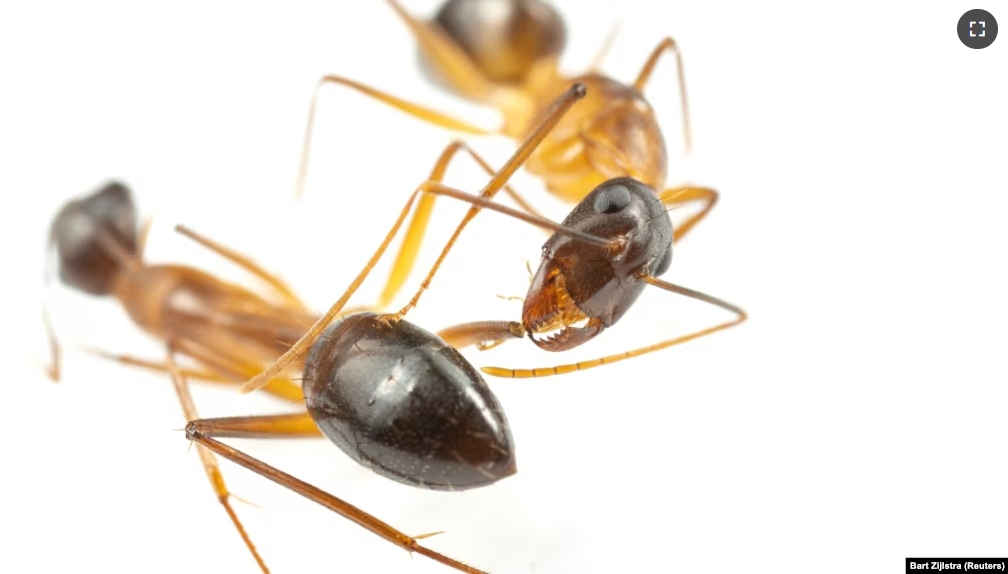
{"points": [[401, 401]]}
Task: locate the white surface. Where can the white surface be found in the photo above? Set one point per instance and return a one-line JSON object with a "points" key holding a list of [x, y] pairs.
{"points": [[857, 419]]}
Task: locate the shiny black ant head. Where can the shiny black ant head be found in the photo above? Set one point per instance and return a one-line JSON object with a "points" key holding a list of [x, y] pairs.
{"points": [[503, 38], [582, 288], [401, 401], [82, 232]]}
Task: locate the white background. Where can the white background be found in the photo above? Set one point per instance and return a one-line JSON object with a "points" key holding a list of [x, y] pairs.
{"points": [[855, 420]]}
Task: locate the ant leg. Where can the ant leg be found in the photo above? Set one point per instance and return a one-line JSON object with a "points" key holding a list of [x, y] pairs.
{"points": [[484, 334], [453, 64], [216, 370], [202, 431], [420, 112], [421, 217], [209, 461], [740, 316], [53, 369], [225, 360], [245, 263], [142, 237], [261, 426], [557, 110], [669, 44], [675, 196], [208, 376]]}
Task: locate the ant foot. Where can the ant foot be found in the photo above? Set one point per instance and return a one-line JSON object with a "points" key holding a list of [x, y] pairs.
{"points": [[487, 345], [53, 372], [388, 319]]}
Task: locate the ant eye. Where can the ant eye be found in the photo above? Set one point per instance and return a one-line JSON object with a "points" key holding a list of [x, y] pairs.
{"points": [[611, 199]]}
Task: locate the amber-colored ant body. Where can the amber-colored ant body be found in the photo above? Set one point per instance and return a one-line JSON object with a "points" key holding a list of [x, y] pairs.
{"points": [[505, 53]]}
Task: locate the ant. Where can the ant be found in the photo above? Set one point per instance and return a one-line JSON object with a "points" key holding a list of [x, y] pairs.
{"points": [[451, 433], [506, 54]]}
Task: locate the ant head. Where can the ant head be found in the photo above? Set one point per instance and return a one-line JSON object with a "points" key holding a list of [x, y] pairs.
{"points": [[582, 288], [87, 232], [503, 38]]}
